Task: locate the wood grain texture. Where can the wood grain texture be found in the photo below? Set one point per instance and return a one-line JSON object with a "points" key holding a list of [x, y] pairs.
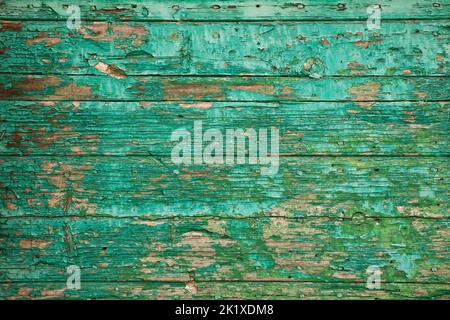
{"points": [[302, 49], [205, 249], [86, 176], [141, 128], [223, 290], [154, 186], [234, 10], [230, 88]]}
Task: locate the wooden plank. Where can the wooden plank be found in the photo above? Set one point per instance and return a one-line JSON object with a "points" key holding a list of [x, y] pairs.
{"points": [[205, 249], [307, 49], [133, 128], [205, 10], [264, 290], [240, 89], [223, 290], [154, 187]]}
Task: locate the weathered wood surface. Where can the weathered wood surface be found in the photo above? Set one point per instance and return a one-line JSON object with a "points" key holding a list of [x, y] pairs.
{"points": [[141, 128], [302, 49], [86, 176], [232, 88], [222, 290], [273, 249], [154, 186], [233, 10]]}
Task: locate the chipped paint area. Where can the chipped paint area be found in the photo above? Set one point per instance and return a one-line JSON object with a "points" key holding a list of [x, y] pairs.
{"points": [[111, 70]]}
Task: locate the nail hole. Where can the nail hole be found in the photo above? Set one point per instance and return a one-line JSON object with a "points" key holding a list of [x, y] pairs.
{"points": [[436, 5], [215, 6], [341, 6]]}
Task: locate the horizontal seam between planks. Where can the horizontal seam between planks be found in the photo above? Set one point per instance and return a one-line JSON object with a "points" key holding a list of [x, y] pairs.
{"points": [[218, 217], [229, 101], [228, 281], [224, 21], [281, 156], [242, 75], [235, 101]]}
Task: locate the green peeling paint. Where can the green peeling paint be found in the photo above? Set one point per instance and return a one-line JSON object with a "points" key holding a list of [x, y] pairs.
{"points": [[86, 177]]}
